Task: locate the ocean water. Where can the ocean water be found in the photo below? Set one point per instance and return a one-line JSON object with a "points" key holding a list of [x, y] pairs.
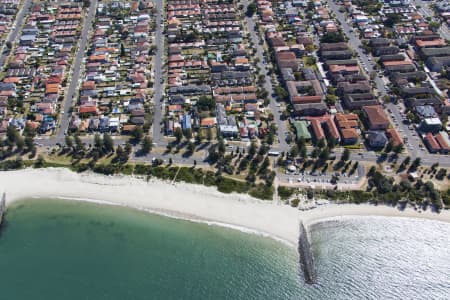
{"points": [[72, 250], [381, 258]]}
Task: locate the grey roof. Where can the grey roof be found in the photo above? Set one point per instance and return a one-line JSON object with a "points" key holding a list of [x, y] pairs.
{"points": [[309, 74], [377, 138], [426, 111], [287, 74], [441, 61], [392, 57], [333, 46], [431, 52], [29, 37], [190, 89], [410, 76], [376, 42], [341, 62], [340, 54], [411, 91]]}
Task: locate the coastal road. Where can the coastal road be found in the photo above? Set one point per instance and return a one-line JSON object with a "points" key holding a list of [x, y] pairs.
{"points": [[17, 28], [76, 72], [281, 125], [158, 85]]}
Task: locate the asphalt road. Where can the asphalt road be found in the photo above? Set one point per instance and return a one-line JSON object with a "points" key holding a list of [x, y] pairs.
{"points": [[412, 146], [355, 44], [76, 72], [12, 36], [158, 76], [360, 156], [426, 11], [281, 125]]}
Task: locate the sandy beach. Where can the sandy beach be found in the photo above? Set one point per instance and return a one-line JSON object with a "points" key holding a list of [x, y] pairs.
{"points": [[186, 201]]}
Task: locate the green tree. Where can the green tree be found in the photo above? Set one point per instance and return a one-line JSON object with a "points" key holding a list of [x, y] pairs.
{"points": [[221, 146], [398, 148], [191, 147], [69, 141], [29, 143], [294, 151], [79, 145], [121, 154], [12, 134], [303, 152], [147, 145], [444, 118], [20, 143], [264, 165], [332, 37], [29, 131], [434, 25], [98, 142], [406, 161], [331, 142], [324, 154], [122, 50], [128, 148], [178, 134], [199, 137], [209, 135], [270, 138], [251, 9], [321, 143], [415, 164], [187, 133], [345, 155], [205, 103], [389, 147], [252, 149], [281, 93], [137, 134], [108, 143], [392, 19]]}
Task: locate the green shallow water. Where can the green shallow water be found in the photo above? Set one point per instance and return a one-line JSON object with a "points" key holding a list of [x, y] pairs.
{"points": [[52, 249]]}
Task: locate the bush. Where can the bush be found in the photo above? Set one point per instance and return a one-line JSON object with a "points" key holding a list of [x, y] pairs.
{"points": [[142, 169], [227, 185], [285, 192], [11, 164], [210, 179], [294, 202], [262, 191], [190, 175]]}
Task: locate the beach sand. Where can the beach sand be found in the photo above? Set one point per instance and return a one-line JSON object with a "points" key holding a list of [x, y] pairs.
{"points": [[185, 201]]}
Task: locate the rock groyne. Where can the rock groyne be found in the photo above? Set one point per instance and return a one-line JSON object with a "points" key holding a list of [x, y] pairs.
{"points": [[306, 256]]}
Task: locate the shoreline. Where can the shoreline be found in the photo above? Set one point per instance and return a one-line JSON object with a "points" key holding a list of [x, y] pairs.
{"points": [[188, 202], [334, 211]]}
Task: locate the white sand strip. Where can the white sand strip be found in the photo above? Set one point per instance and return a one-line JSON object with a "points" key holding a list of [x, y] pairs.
{"points": [[185, 201]]}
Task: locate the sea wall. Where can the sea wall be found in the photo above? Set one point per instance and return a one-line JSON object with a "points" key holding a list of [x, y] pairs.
{"points": [[306, 256]]}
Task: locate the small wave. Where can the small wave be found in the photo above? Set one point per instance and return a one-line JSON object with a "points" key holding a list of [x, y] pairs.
{"points": [[181, 216]]}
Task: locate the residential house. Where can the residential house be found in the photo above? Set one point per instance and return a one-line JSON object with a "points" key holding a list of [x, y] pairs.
{"points": [[376, 139], [376, 117]]}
